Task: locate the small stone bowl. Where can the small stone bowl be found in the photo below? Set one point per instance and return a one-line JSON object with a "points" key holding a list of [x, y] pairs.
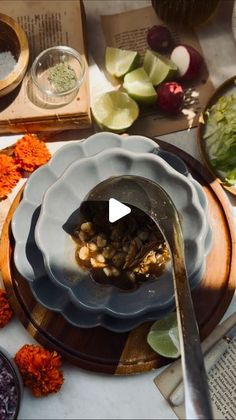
{"points": [[14, 40], [10, 366]]}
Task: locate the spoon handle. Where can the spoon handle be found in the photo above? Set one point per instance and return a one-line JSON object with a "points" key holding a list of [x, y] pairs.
{"points": [[197, 398]]}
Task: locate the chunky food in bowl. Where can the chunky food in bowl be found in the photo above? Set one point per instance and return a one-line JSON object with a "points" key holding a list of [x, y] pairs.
{"points": [[125, 253]]}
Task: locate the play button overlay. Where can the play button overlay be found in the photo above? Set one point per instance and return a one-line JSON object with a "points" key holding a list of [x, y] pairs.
{"points": [[117, 210]]}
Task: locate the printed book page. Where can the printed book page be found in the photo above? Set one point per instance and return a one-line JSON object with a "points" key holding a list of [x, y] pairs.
{"points": [[221, 380], [128, 30], [46, 23], [222, 383]]}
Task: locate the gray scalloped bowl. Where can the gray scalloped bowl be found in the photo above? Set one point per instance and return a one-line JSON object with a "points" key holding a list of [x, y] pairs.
{"points": [[60, 209]]}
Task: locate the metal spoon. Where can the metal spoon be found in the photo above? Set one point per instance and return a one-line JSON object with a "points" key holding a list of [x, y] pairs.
{"points": [[154, 201]]}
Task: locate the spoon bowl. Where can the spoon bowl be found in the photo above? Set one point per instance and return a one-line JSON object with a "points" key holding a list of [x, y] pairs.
{"points": [[149, 197]]}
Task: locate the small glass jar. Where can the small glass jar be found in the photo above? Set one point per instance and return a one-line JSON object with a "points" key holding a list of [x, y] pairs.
{"points": [[62, 58]]}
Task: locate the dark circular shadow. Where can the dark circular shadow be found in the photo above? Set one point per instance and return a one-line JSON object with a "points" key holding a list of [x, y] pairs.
{"points": [[6, 101]]}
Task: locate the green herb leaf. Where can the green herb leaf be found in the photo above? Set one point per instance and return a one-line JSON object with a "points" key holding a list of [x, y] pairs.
{"points": [[231, 177], [220, 137]]}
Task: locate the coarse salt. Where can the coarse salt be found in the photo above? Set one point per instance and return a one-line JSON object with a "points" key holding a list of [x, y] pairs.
{"points": [[7, 64]]}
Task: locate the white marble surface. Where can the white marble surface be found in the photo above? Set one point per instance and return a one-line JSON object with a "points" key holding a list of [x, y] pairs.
{"points": [[88, 395]]}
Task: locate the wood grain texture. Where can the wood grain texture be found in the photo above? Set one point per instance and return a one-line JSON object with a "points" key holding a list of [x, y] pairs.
{"points": [[101, 350], [224, 88], [13, 38]]}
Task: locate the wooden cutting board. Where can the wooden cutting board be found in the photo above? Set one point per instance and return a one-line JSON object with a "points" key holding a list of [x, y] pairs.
{"points": [[100, 350]]}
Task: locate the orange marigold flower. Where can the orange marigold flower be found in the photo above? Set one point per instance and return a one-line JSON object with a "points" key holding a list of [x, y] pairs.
{"points": [[39, 369], [9, 174], [5, 309], [30, 152]]}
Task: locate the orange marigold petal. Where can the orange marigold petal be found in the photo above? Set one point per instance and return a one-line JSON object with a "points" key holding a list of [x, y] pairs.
{"points": [[5, 309], [40, 369], [30, 152], [10, 174]]}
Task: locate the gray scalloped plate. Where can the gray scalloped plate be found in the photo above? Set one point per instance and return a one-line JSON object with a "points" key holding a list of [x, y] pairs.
{"points": [[28, 258], [59, 215]]}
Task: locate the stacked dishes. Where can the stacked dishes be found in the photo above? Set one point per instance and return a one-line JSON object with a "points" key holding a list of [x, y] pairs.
{"points": [[44, 252]]}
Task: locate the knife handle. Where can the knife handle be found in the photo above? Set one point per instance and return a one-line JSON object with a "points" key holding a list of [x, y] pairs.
{"points": [[212, 356]]}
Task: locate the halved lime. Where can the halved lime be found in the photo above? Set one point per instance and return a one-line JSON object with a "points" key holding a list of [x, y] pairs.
{"points": [[139, 86], [118, 62], [115, 111], [158, 68], [163, 336]]}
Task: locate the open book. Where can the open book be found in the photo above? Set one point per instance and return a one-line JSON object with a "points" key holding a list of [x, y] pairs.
{"points": [[221, 376], [46, 23]]}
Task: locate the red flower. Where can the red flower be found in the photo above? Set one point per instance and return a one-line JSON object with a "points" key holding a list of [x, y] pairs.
{"points": [[30, 152], [10, 174], [5, 309], [40, 369]]}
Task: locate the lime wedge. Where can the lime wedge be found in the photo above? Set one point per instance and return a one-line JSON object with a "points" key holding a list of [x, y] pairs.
{"points": [[119, 62], [139, 86], [163, 336], [158, 68], [115, 111]]}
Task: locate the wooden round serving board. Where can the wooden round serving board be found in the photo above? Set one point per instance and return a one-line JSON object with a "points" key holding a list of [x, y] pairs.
{"points": [[100, 350]]}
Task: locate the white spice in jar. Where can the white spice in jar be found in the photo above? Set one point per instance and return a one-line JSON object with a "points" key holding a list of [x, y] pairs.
{"points": [[7, 64]]}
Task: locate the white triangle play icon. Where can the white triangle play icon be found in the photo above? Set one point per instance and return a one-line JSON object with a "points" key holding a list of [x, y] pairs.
{"points": [[117, 210]]}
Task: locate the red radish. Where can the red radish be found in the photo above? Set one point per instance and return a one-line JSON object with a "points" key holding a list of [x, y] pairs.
{"points": [[170, 97], [160, 39], [188, 60]]}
